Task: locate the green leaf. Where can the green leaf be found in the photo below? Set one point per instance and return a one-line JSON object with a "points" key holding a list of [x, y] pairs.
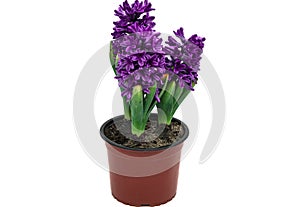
{"points": [[137, 111], [166, 104], [165, 80], [149, 98], [184, 94], [154, 102], [126, 106], [114, 62], [178, 92], [113, 58]]}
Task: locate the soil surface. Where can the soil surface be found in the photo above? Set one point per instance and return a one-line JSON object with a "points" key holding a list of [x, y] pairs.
{"points": [[155, 135]]}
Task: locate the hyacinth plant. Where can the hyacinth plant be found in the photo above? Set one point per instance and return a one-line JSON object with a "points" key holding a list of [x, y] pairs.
{"points": [[151, 72]]}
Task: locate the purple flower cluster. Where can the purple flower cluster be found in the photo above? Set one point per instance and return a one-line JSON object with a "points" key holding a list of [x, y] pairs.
{"points": [[140, 42], [143, 69], [184, 58], [131, 19], [142, 58]]}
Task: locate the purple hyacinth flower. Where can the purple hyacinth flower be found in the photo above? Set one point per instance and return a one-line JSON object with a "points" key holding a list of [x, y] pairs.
{"points": [[148, 69], [131, 19], [183, 58]]}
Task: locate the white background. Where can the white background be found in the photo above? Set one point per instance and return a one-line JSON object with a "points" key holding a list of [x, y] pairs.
{"points": [[254, 46]]}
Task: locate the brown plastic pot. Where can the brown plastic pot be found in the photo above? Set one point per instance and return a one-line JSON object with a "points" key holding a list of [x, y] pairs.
{"points": [[143, 177]]}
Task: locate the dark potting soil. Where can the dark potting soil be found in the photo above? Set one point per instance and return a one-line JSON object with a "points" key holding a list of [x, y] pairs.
{"points": [[155, 135]]}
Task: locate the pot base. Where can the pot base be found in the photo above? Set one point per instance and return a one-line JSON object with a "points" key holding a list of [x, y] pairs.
{"points": [[152, 190], [143, 204]]}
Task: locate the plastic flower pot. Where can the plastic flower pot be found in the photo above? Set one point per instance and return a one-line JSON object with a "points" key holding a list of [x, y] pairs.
{"points": [[143, 177]]}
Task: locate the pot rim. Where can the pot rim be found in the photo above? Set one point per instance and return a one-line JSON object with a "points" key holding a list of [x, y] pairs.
{"points": [[105, 138]]}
